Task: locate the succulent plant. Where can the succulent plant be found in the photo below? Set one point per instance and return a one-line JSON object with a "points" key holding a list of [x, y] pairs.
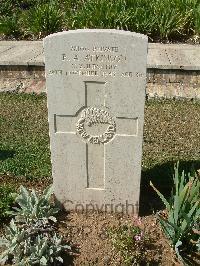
{"points": [[30, 238]]}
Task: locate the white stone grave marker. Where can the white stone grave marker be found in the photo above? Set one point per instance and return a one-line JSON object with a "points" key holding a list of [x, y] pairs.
{"points": [[96, 93]]}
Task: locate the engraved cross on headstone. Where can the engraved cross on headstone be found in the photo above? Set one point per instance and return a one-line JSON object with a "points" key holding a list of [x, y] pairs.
{"points": [[101, 129]]}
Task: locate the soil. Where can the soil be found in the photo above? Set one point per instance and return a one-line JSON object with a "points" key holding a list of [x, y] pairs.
{"points": [[90, 233], [38, 184], [87, 233]]}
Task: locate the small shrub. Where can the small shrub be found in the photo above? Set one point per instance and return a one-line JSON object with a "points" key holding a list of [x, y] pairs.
{"points": [[170, 21], [44, 19], [10, 25], [26, 4], [183, 212], [142, 18], [130, 242], [197, 20], [33, 208], [6, 8], [158, 19], [100, 14], [31, 238], [72, 5], [6, 200]]}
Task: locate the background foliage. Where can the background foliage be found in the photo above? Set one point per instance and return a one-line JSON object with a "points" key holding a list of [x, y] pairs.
{"points": [[164, 20]]}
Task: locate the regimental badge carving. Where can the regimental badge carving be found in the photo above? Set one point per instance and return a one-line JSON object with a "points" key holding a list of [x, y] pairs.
{"points": [[91, 116]]}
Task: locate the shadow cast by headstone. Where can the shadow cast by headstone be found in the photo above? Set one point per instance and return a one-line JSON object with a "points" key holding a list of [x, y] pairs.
{"points": [[162, 178], [5, 154]]}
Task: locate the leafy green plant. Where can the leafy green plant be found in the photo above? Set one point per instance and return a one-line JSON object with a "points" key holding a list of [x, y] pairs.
{"points": [[32, 208], [183, 211], [26, 4], [31, 238], [6, 200], [6, 8], [197, 20], [32, 245], [100, 14], [142, 19], [130, 241], [44, 19], [10, 26], [72, 5], [169, 19], [160, 20]]}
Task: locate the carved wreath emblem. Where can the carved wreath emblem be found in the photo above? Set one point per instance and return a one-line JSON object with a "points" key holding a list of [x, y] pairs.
{"points": [[91, 116]]}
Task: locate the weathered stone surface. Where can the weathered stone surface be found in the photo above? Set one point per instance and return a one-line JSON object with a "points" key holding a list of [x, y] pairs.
{"points": [[22, 79], [21, 53], [96, 90], [169, 75], [168, 84]]}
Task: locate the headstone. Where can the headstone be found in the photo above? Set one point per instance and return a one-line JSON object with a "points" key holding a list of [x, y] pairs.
{"points": [[96, 92]]}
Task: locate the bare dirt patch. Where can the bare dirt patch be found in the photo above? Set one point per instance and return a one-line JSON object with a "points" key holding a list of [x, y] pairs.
{"points": [[89, 232]]}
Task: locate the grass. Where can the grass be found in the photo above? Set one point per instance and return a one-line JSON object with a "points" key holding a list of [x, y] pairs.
{"points": [[24, 141], [171, 133], [6, 200], [164, 20]]}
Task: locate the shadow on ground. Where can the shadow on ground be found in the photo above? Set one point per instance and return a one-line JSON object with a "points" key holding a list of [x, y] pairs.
{"points": [[162, 178], [5, 154], [68, 260]]}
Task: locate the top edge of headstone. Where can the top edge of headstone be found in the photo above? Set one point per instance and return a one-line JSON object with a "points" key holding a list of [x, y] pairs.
{"points": [[122, 32]]}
